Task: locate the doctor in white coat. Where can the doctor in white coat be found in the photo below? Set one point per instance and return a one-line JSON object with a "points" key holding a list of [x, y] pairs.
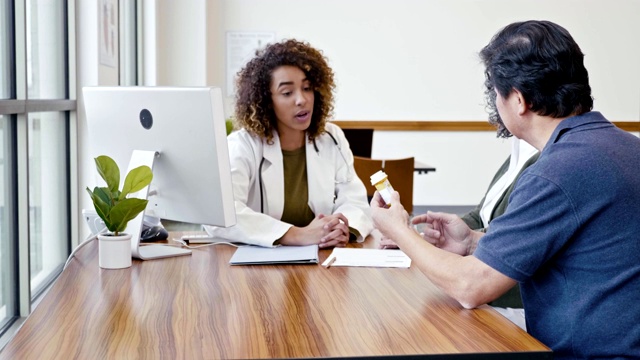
{"points": [[293, 177]]}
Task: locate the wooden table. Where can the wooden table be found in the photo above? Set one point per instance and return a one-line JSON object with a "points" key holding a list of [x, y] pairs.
{"points": [[198, 306]]}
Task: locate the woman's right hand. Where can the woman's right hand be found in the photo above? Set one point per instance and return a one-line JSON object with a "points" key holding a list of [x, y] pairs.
{"points": [[324, 230]]}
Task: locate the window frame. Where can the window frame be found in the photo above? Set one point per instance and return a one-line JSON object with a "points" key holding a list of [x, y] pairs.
{"points": [[17, 109]]}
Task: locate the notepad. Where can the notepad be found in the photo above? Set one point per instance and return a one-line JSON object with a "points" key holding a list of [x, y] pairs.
{"points": [[257, 255], [368, 258]]}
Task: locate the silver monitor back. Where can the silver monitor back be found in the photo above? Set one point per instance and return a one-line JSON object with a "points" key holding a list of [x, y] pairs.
{"points": [[186, 126]]}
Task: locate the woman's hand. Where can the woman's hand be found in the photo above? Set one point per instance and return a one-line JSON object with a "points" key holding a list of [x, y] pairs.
{"points": [[324, 230], [336, 229]]}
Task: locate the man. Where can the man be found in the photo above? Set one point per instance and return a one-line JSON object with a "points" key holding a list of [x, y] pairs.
{"points": [[569, 235], [493, 204]]}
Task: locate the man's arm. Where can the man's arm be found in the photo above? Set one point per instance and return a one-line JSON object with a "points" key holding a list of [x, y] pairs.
{"points": [[465, 278]]}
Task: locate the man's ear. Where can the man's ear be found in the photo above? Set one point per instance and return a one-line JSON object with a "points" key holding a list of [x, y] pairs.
{"points": [[522, 104]]}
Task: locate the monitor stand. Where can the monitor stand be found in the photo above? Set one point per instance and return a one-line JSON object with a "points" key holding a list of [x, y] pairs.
{"points": [[134, 227]]}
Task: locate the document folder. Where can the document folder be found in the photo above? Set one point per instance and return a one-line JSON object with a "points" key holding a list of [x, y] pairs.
{"points": [[257, 255]]}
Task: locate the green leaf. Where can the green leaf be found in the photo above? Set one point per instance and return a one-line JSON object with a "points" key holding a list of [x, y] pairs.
{"points": [[105, 195], [109, 171], [124, 211], [136, 180], [102, 204], [110, 203]]}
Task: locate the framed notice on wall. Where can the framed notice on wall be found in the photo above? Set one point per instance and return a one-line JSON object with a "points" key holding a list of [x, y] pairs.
{"points": [[108, 32], [241, 47]]}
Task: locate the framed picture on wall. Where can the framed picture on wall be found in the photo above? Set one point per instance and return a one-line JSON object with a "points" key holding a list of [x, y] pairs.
{"points": [[108, 32], [242, 47]]}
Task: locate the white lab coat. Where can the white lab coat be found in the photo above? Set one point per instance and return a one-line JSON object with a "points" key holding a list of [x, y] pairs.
{"points": [[330, 176]]}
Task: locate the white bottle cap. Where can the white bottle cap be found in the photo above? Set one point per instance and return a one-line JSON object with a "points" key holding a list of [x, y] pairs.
{"points": [[378, 177]]}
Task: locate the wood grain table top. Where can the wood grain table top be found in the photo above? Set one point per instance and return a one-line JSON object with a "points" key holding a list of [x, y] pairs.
{"points": [[200, 307]]}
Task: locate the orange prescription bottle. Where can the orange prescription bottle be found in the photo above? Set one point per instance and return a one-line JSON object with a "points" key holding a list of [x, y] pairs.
{"points": [[382, 184]]}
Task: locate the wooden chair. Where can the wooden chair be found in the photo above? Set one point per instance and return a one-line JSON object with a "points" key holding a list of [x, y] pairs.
{"points": [[400, 172]]}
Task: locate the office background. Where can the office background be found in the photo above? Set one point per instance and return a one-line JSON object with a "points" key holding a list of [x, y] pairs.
{"points": [[405, 60]]}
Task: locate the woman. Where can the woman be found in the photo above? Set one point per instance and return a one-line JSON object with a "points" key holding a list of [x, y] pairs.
{"points": [[293, 176]]}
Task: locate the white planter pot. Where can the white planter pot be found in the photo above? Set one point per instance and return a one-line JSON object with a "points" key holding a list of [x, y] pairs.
{"points": [[114, 252]]}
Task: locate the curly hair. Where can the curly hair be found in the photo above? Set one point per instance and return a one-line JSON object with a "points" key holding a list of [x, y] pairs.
{"points": [[492, 109], [542, 61], [254, 107]]}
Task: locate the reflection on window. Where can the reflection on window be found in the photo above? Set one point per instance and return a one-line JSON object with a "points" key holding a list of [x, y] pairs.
{"points": [[45, 49], [7, 285], [5, 49], [48, 194]]}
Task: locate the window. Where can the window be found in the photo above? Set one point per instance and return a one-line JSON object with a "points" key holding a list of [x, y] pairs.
{"points": [[7, 245], [46, 49], [6, 49], [48, 196], [35, 112], [48, 182], [8, 294]]}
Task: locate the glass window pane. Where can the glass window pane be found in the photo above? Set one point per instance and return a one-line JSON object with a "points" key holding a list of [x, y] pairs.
{"points": [[48, 196], [46, 49], [8, 306], [5, 49]]}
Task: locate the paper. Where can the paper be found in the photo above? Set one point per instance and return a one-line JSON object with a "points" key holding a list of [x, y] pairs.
{"points": [[368, 258], [242, 47], [254, 255]]}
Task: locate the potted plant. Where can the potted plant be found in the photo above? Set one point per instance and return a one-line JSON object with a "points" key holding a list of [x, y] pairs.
{"points": [[229, 125], [116, 210]]}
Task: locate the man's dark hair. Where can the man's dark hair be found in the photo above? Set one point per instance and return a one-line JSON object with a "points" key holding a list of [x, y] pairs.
{"points": [[542, 61]]}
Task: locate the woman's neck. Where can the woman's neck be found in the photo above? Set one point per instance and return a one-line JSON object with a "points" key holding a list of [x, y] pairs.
{"points": [[291, 140]]}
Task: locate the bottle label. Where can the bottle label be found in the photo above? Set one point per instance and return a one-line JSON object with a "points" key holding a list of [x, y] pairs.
{"points": [[382, 184], [385, 190]]}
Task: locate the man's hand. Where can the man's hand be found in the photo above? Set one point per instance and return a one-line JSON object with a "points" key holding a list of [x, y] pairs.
{"points": [[448, 232], [388, 218], [386, 243]]}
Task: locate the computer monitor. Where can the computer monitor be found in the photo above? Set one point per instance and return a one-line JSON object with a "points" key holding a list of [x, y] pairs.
{"points": [[180, 133]]}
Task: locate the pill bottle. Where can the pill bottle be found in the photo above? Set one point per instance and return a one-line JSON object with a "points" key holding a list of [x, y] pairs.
{"points": [[382, 184]]}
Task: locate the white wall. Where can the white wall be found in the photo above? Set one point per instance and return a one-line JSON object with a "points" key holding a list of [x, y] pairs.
{"points": [[417, 60], [394, 60], [181, 42], [90, 72]]}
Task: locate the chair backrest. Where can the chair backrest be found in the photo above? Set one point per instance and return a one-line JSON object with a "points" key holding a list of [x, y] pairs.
{"points": [[400, 172]]}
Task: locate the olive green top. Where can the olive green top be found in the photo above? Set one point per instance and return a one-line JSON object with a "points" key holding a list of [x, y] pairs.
{"points": [[473, 219], [296, 195]]}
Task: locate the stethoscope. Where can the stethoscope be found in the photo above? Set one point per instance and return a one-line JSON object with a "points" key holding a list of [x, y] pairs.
{"points": [[349, 177]]}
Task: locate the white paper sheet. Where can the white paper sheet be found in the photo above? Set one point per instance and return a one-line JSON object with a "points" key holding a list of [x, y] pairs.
{"points": [[368, 258]]}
